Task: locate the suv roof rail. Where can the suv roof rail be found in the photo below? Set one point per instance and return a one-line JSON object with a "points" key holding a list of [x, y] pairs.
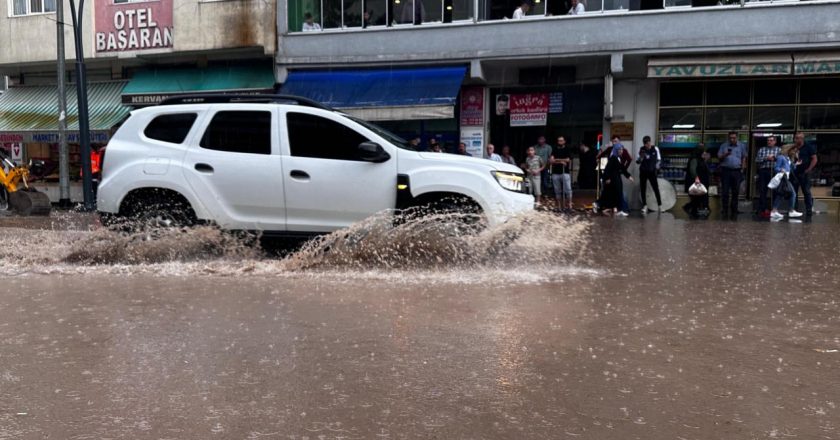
{"points": [[220, 98]]}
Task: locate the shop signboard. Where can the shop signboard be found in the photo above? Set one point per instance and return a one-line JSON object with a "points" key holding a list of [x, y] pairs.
{"points": [[817, 67], [529, 109], [473, 138], [624, 130], [17, 152], [51, 137], [147, 99], [719, 70], [472, 107], [131, 26]]}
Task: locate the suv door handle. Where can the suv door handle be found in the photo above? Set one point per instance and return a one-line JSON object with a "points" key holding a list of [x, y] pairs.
{"points": [[298, 174], [204, 168]]}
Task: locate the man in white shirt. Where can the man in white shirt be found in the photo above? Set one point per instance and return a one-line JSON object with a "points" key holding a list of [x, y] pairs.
{"points": [[577, 8], [309, 24], [521, 11], [491, 153]]}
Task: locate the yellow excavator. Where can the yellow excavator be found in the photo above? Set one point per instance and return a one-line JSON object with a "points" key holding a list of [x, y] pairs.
{"points": [[15, 193]]}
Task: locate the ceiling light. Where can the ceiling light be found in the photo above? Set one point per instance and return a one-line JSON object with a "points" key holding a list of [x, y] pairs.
{"points": [[682, 126], [769, 125]]}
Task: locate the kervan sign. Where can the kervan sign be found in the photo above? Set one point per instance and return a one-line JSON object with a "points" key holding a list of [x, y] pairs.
{"points": [[133, 26], [719, 70]]}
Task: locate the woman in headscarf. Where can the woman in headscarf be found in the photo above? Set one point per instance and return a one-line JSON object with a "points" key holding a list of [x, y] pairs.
{"points": [[613, 186]]}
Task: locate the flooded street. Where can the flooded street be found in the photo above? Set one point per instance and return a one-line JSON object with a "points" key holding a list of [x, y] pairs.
{"points": [[633, 328]]}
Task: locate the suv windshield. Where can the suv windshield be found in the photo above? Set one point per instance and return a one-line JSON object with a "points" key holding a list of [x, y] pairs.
{"points": [[390, 137]]}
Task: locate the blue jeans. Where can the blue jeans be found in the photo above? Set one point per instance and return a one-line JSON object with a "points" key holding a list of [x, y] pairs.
{"points": [[804, 181]]}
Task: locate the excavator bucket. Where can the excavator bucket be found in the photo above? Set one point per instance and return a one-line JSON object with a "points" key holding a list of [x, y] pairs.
{"points": [[30, 202]]}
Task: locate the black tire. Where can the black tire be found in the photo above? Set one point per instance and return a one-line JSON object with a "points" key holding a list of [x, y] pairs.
{"points": [[144, 214], [462, 212]]}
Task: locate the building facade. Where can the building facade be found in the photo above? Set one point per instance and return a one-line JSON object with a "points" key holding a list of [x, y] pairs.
{"points": [[136, 52], [681, 72]]}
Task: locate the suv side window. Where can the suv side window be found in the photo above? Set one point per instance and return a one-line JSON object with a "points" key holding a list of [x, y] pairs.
{"points": [[170, 128], [239, 131], [320, 138]]}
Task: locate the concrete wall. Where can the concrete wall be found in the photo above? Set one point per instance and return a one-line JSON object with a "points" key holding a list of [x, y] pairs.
{"points": [[198, 26], [703, 30]]}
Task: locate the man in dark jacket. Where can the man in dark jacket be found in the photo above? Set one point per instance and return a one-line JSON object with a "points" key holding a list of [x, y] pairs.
{"points": [[649, 161]]}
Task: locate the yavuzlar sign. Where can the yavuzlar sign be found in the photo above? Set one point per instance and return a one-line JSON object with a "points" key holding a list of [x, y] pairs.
{"points": [[129, 26]]}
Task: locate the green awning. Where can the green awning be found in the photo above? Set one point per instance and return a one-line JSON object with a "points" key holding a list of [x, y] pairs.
{"points": [[149, 87], [28, 109]]}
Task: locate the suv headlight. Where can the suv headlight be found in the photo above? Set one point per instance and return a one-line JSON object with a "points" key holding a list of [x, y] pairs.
{"points": [[510, 181]]}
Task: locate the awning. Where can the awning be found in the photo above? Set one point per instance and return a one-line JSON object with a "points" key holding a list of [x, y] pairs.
{"points": [[720, 67], [149, 87], [383, 94], [30, 113], [823, 63]]}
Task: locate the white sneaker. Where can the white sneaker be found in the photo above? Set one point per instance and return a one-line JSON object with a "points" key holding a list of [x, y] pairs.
{"points": [[622, 214], [645, 209], [794, 213], [776, 215]]}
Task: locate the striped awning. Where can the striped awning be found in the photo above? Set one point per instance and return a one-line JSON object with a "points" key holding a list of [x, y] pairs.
{"points": [[29, 109]]}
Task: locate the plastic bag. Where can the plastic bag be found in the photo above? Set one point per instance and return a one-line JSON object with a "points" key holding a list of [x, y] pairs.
{"points": [[775, 181], [697, 189], [785, 189]]}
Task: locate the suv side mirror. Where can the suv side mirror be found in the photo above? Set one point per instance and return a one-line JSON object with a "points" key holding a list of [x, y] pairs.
{"points": [[372, 152]]}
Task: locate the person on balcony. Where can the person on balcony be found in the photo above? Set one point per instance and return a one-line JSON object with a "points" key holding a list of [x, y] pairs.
{"points": [[521, 11], [577, 8], [309, 24]]}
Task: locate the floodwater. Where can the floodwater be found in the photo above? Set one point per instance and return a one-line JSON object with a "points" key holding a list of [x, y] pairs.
{"points": [[546, 328]]}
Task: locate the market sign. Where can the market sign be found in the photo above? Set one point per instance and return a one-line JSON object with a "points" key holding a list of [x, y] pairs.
{"points": [[718, 70], [529, 109], [472, 107], [816, 67], [51, 137], [133, 26]]}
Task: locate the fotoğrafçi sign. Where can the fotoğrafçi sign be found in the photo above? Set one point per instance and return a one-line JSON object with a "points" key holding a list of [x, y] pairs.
{"points": [[529, 109], [133, 26]]}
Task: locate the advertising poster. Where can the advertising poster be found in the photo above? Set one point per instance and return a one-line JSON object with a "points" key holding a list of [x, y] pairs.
{"points": [[555, 102], [133, 26], [472, 107], [474, 139], [529, 110]]}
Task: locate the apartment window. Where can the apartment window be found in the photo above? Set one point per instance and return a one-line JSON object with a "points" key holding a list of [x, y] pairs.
{"points": [[28, 7]]}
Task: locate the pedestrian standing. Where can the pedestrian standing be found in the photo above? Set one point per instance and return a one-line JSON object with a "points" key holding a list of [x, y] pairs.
{"points": [[534, 165], [785, 190], [802, 172], [561, 173], [613, 186], [544, 152], [733, 160], [765, 160], [625, 159], [462, 149], [433, 144], [649, 161], [491, 153], [506, 157]]}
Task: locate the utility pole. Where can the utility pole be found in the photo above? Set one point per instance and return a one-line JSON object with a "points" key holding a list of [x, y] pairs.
{"points": [[81, 90], [63, 153]]}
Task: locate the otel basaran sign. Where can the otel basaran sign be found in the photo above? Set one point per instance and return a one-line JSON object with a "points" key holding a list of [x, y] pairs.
{"points": [[131, 26]]}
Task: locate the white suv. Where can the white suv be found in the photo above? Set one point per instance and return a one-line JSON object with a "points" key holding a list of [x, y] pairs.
{"points": [[285, 165]]}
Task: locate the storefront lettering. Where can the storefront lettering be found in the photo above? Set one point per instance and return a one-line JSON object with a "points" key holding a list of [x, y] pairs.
{"points": [[51, 137], [122, 28], [718, 70], [817, 68], [5, 137]]}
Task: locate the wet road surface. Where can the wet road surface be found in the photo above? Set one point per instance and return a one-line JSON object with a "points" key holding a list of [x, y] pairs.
{"points": [[668, 329]]}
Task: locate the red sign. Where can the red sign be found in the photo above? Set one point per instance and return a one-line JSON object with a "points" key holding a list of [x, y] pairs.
{"points": [[133, 26], [472, 107], [529, 109]]}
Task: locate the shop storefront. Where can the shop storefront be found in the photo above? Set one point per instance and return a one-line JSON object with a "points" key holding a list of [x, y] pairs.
{"points": [[410, 102], [29, 125], [757, 98]]}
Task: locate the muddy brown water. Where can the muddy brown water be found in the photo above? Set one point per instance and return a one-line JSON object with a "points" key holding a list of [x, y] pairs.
{"points": [[608, 329]]}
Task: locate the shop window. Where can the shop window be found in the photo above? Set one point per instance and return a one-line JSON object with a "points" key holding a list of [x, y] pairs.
{"points": [[820, 91], [333, 141], [680, 94], [170, 128], [680, 119], [824, 117], [774, 92], [773, 118], [239, 132], [727, 93], [827, 171], [727, 118]]}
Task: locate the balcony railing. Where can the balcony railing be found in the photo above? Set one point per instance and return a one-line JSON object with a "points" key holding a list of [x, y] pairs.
{"points": [[326, 15]]}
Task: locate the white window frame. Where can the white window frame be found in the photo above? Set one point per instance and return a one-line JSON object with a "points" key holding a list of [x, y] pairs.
{"points": [[28, 12]]}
